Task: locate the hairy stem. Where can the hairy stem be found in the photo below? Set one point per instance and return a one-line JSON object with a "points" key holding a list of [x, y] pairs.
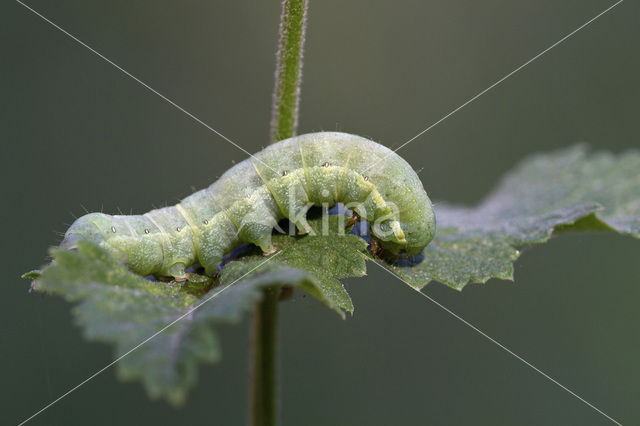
{"points": [[284, 120], [286, 93]]}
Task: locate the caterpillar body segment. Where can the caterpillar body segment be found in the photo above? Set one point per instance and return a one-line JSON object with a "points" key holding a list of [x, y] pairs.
{"points": [[245, 204]]}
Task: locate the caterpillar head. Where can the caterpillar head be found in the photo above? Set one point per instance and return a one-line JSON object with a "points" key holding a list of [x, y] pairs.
{"points": [[406, 233]]}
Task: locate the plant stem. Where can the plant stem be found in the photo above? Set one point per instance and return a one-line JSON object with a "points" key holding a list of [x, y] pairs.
{"points": [[284, 121], [263, 369], [286, 93]]}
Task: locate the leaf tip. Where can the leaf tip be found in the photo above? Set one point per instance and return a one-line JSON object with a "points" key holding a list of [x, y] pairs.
{"points": [[32, 275]]}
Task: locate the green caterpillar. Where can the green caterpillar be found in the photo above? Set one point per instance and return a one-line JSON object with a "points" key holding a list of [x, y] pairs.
{"points": [[282, 181]]}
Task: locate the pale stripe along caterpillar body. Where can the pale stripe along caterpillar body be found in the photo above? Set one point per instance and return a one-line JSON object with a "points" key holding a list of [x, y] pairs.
{"points": [[244, 205]]}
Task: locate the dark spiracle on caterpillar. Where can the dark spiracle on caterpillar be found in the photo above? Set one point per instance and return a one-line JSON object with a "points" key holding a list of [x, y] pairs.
{"points": [[245, 204]]}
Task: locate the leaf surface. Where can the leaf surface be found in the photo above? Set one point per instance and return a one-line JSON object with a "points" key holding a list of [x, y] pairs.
{"points": [[568, 190], [164, 330]]}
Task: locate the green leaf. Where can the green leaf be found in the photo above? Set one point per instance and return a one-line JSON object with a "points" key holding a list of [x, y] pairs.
{"points": [[162, 330], [328, 253], [568, 190], [119, 307]]}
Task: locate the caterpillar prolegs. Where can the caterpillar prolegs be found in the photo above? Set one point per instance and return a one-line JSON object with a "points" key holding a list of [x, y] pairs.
{"points": [[244, 205]]}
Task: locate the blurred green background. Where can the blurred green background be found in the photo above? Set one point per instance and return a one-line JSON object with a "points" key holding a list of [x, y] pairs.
{"points": [[78, 132]]}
